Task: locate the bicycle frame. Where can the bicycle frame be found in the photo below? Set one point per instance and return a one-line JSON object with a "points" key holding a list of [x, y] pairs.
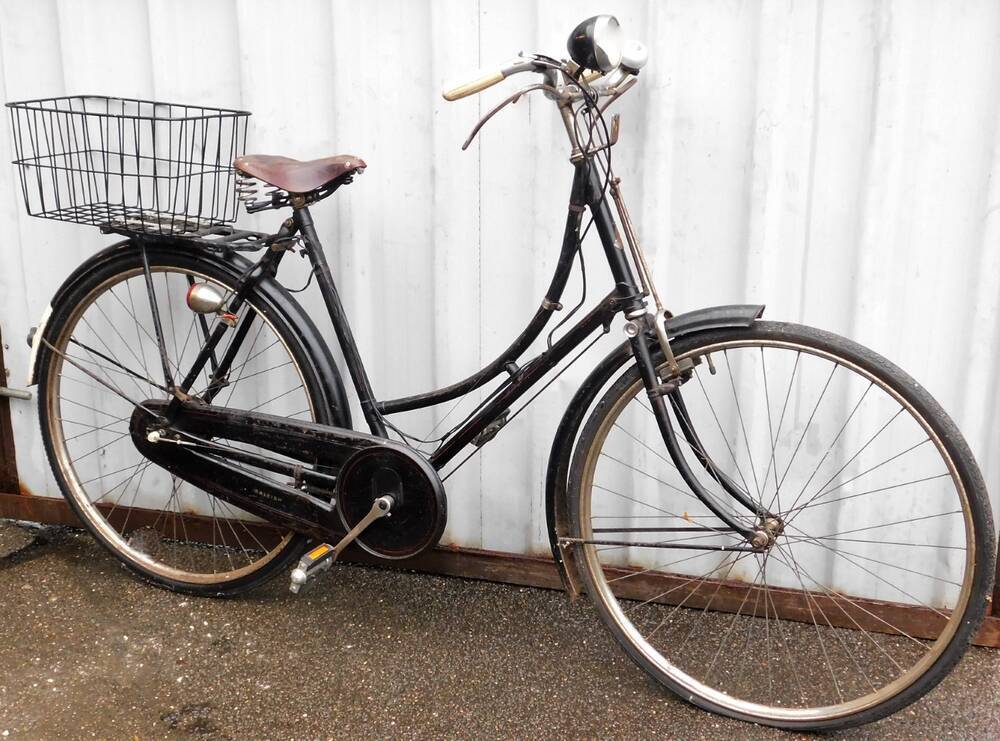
{"points": [[588, 191]]}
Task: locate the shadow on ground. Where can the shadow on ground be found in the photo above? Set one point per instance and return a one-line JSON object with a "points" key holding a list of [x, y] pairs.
{"points": [[87, 651]]}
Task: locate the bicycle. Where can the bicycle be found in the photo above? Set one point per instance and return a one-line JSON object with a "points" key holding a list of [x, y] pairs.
{"points": [[774, 522]]}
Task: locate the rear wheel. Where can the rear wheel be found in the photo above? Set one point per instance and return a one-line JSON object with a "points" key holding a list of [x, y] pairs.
{"points": [[105, 354], [882, 553]]}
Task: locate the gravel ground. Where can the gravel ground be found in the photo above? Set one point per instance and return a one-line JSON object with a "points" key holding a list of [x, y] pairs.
{"points": [[90, 652]]}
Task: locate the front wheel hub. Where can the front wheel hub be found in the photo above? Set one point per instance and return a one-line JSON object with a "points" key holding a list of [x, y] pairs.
{"points": [[774, 526], [767, 533]]}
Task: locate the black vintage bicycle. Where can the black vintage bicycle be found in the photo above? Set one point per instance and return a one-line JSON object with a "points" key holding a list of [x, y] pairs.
{"points": [[774, 522]]}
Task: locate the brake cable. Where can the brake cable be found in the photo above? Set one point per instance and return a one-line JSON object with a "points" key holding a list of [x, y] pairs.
{"points": [[591, 102]]}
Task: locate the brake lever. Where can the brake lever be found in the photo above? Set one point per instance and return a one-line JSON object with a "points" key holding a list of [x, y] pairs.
{"points": [[507, 101]]}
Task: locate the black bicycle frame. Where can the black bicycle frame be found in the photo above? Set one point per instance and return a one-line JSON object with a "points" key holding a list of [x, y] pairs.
{"points": [[588, 191]]}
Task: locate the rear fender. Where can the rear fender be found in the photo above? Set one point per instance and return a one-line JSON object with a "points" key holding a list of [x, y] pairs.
{"points": [[234, 266], [557, 475]]}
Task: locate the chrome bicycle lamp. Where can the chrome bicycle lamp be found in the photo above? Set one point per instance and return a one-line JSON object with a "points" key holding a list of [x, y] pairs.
{"points": [[203, 298], [597, 43]]}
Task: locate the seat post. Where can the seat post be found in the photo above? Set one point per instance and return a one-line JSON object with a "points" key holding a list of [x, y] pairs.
{"points": [[324, 277]]}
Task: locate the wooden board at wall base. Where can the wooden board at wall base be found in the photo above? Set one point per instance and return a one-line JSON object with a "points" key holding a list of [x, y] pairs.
{"points": [[508, 568]]}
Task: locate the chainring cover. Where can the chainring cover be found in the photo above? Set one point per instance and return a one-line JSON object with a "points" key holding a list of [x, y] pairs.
{"points": [[419, 512]]}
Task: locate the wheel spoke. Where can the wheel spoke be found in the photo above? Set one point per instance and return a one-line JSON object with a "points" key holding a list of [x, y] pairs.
{"points": [[743, 426], [831, 446], [141, 511], [821, 494], [867, 522], [878, 490], [805, 429], [722, 432]]}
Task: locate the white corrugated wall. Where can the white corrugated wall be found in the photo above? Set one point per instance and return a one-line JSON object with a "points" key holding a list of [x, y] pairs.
{"points": [[834, 160]]}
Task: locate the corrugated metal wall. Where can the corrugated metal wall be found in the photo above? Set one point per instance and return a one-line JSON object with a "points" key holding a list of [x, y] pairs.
{"points": [[834, 160]]}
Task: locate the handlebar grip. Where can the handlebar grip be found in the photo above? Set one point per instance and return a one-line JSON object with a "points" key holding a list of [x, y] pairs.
{"points": [[475, 86]]}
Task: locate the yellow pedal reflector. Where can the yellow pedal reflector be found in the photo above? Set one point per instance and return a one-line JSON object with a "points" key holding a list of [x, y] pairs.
{"points": [[318, 551]]}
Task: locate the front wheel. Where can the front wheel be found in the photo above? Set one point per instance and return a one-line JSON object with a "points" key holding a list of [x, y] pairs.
{"points": [[881, 558]]}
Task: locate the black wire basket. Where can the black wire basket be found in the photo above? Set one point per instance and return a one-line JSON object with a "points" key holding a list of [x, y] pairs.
{"points": [[124, 163]]}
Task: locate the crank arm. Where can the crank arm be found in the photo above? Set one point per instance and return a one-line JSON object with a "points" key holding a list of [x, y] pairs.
{"points": [[322, 556]]}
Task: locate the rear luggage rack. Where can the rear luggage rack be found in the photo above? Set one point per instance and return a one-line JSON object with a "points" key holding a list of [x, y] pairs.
{"points": [[220, 238]]}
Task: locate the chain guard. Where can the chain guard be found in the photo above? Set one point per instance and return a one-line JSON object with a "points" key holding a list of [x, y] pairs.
{"points": [[365, 467]]}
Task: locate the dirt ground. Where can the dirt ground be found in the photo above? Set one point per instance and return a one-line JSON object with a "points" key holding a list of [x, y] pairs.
{"points": [[87, 651]]}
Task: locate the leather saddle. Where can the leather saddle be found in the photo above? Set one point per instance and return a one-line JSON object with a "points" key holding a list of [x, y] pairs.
{"points": [[295, 176]]}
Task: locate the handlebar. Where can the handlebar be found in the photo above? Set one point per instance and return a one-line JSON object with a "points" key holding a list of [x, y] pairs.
{"points": [[489, 78], [566, 84], [475, 86]]}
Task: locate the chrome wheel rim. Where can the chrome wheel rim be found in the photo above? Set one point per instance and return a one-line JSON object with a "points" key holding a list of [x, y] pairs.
{"points": [[237, 544], [685, 677]]}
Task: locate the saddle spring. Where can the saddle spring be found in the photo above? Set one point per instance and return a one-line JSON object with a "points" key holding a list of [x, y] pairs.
{"points": [[257, 195]]}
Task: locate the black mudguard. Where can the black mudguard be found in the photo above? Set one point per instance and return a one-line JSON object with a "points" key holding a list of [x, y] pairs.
{"points": [[234, 265], [557, 476]]}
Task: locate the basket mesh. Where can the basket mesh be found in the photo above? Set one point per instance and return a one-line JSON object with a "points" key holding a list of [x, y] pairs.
{"points": [[132, 164]]}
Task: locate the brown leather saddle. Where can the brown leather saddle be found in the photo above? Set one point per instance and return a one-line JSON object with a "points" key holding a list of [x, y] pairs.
{"points": [[295, 176]]}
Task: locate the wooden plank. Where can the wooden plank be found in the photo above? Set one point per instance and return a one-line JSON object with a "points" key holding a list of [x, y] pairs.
{"points": [[195, 527], [540, 571], [37, 509], [471, 563]]}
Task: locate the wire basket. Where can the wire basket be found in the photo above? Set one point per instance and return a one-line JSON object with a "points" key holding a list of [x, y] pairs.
{"points": [[137, 165]]}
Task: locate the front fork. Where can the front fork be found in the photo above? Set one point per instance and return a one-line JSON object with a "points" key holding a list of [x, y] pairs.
{"points": [[639, 327], [658, 391]]}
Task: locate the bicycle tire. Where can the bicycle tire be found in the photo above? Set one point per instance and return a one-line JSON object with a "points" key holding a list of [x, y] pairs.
{"points": [[87, 286], [977, 584]]}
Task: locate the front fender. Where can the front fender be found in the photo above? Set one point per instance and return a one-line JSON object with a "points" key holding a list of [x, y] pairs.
{"points": [[557, 475]]}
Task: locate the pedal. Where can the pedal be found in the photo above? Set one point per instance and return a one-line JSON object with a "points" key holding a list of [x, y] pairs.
{"points": [[322, 556], [313, 563]]}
